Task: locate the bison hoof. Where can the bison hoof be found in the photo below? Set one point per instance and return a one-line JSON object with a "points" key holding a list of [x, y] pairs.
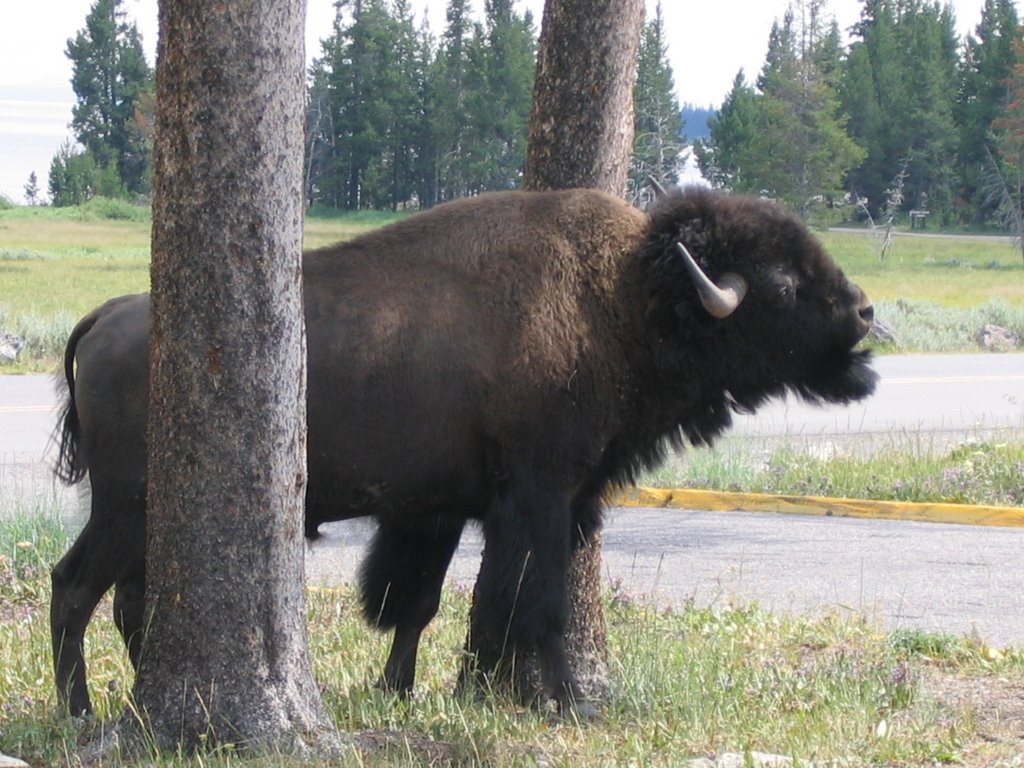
{"points": [[580, 710], [400, 690]]}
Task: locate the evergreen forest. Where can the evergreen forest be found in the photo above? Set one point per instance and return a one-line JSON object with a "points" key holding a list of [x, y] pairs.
{"points": [[897, 114]]}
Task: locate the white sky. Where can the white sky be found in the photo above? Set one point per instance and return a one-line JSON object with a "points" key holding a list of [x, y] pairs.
{"points": [[710, 40]]}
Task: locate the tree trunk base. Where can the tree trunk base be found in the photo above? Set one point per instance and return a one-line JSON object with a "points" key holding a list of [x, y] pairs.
{"points": [[131, 741], [585, 639]]}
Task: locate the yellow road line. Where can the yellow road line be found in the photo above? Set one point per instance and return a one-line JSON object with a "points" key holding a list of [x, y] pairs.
{"points": [[995, 377], [722, 501], [29, 408]]}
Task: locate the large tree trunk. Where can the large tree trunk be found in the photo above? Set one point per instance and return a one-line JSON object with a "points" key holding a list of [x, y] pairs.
{"points": [[225, 658], [581, 124], [581, 135]]}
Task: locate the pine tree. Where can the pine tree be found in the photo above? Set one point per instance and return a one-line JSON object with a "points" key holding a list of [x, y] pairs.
{"points": [[394, 121], [1003, 183], [32, 189], [401, 109], [932, 84], [509, 63], [482, 84], [75, 177], [446, 104], [321, 148], [790, 140], [357, 148], [899, 87], [111, 80], [723, 157], [988, 60], [659, 145], [225, 661]]}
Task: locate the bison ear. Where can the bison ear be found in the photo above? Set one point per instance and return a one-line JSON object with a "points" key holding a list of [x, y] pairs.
{"points": [[720, 300]]}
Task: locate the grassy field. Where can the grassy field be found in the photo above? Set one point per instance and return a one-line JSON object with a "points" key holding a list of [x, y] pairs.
{"points": [[57, 264], [827, 690], [955, 271]]}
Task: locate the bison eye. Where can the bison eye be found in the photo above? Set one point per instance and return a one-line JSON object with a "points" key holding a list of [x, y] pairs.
{"points": [[786, 286]]}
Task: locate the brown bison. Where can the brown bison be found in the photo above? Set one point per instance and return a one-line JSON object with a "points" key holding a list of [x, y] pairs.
{"points": [[506, 359]]}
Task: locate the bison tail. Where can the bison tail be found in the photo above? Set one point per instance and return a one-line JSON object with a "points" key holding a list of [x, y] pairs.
{"points": [[71, 464], [70, 467]]}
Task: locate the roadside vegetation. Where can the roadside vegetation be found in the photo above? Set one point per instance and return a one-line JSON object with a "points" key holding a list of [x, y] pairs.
{"points": [[828, 689], [893, 468]]}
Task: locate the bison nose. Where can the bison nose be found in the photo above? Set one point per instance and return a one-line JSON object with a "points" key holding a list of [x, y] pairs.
{"points": [[866, 312]]}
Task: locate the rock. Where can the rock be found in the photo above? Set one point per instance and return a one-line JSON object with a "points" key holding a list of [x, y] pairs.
{"points": [[739, 760], [11, 762], [997, 339], [10, 345], [882, 332], [757, 760]]}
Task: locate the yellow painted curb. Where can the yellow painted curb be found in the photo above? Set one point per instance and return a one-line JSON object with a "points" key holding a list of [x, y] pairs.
{"points": [[724, 501]]}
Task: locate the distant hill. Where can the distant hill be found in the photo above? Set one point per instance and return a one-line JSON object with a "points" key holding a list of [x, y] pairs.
{"points": [[695, 121]]}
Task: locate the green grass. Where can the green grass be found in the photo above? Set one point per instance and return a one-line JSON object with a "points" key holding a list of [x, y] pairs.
{"points": [[956, 272], [56, 264], [685, 683], [898, 469]]}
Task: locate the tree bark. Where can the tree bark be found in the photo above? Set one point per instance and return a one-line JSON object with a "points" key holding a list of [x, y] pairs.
{"points": [[580, 135], [225, 659], [581, 124]]}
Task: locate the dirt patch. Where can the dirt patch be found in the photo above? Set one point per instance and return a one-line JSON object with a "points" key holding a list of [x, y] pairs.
{"points": [[989, 707]]}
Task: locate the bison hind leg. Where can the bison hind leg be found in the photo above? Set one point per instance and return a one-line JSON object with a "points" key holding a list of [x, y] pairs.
{"points": [[129, 609], [400, 585], [79, 580]]}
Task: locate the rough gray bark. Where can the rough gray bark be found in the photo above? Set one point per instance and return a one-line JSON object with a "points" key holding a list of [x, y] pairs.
{"points": [[225, 659], [581, 124], [581, 135]]}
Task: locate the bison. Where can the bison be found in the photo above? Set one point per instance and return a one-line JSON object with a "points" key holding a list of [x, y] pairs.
{"points": [[505, 359]]}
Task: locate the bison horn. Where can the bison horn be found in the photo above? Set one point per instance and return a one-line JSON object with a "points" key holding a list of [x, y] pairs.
{"points": [[659, 188], [719, 300]]}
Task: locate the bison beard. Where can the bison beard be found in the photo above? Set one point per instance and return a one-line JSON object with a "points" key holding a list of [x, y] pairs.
{"points": [[505, 359]]}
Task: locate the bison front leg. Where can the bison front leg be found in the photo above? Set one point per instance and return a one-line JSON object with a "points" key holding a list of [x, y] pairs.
{"points": [[400, 584], [520, 605]]}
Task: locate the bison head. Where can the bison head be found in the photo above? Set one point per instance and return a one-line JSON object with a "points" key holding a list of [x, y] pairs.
{"points": [[754, 303]]}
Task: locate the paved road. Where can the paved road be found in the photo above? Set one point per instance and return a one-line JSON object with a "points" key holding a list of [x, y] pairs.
{"points": [[942, 578], [938, 577], [948, 397]]}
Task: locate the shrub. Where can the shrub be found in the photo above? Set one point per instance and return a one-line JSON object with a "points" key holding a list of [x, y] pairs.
{"points": [[922, 326], [44, 339], [114, 209]]}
